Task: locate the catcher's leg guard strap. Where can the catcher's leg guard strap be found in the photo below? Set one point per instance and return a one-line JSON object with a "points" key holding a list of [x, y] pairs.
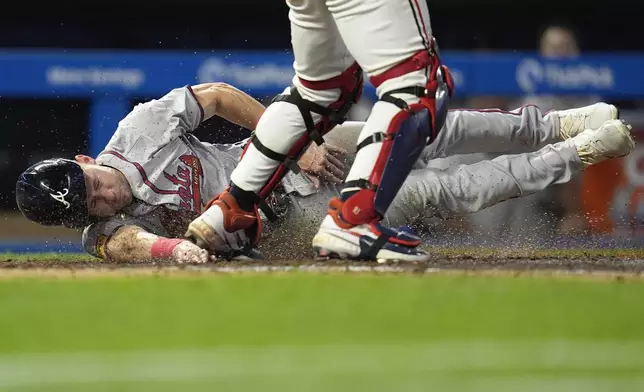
{"points": [[306, 108], [440, 113], [330, 118], [350, 84], [288, 161]]}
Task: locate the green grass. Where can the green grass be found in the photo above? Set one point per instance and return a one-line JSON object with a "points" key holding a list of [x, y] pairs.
{"points": [[306, 332]]}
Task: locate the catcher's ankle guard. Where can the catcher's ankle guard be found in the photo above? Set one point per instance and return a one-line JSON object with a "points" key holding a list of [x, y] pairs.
{"points": [[236, 218], [370, 246]]}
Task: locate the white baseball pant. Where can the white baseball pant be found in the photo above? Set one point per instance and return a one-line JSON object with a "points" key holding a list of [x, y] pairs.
{"points": [[327, 38]]}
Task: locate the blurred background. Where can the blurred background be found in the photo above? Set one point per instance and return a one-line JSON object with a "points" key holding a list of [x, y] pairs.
{"points": [[69, 73]]}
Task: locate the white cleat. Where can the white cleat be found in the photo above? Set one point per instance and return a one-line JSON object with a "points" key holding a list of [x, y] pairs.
{"points": [[574, 121], [611, 140], [356, 243]]}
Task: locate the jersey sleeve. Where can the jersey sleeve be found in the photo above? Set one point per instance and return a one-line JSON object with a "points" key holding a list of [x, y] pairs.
{"points": [[96, 235], [158, 122]]}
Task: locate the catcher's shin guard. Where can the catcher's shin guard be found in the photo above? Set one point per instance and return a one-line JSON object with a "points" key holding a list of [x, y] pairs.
{"points": [[350, 83], [409, 131]]}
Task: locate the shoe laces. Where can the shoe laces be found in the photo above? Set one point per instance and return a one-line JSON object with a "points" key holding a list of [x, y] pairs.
{"points": [[570, 122]]}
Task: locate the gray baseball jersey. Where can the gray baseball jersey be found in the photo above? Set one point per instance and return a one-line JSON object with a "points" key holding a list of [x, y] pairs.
{"points": [[172, 174]]}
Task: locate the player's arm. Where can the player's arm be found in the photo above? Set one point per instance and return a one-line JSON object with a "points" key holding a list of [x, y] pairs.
{"points": [[133, 244], [228, 102], [223, 100]]}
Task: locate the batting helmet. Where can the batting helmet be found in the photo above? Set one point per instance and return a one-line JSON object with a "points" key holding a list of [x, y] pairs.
{"points": [[53, 193]]}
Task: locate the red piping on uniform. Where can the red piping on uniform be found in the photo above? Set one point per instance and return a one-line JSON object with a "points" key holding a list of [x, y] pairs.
{"points": [[422, 21], [514, 113], [198, 104], [144, 176]]}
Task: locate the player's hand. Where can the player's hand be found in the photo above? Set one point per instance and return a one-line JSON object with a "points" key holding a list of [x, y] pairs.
{"points": [[324, 163], [189, 253]]}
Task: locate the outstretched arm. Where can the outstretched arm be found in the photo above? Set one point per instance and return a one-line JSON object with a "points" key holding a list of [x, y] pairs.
{"points": [[131, 244], [228, 102]]}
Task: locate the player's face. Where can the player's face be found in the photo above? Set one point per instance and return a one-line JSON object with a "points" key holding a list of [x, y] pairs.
{"points": [[107, 190]]}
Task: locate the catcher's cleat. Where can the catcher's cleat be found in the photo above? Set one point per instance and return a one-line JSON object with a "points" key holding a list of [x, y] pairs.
{"points": [[611, 140], [224, 227], [372, 241], [574, 121]]}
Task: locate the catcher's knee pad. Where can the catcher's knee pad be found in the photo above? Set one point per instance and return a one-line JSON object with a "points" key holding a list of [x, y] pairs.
{"points": [[435, 95], [350, 84]]}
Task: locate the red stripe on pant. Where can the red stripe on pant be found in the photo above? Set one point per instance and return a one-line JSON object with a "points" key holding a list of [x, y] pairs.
{"points": [[422, 22]]}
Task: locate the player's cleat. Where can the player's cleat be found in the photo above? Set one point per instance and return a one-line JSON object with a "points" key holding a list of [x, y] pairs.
{"points": [[611, 140], [574, 121], [364, 242]]}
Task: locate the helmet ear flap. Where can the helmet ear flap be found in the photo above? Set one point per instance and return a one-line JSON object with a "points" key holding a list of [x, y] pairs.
{"points": [[53, 193]]}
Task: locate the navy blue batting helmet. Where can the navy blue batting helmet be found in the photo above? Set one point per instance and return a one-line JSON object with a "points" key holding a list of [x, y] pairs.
{"points": [[53, 193]]}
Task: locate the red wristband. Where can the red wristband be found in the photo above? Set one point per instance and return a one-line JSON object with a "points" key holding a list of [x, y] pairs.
{"points": [[163, 247]]}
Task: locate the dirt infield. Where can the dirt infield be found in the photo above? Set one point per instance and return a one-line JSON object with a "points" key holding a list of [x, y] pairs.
{"points": [[612, 267]]}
